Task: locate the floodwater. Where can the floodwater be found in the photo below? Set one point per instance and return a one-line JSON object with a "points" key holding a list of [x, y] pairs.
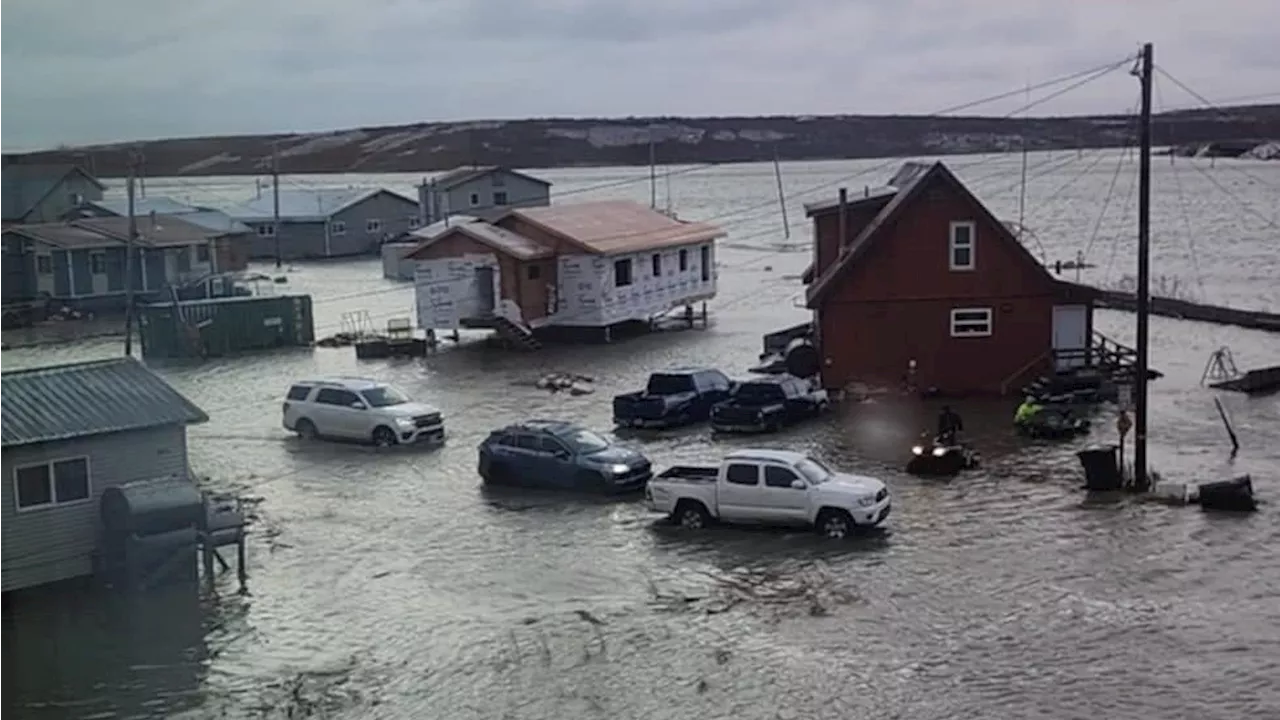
{"points": [[389, 584]]}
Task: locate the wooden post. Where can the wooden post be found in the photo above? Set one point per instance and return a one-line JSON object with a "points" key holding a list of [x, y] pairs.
{"points": [[206, 552], [1140, 480], [242, 555], [128, 259]]}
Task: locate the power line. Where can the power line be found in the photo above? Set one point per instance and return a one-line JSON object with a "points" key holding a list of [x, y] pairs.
{"points": [[1182, 205]]}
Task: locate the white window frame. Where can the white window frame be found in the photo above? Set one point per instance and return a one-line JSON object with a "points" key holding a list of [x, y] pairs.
{"points": [[971, 327], [501, 198], [44, 264], [338, 227], [98, 262], [266, 230], [631, 272], [475, 199], [413, 222], [953, 245], [53, 484], [372, 225]]}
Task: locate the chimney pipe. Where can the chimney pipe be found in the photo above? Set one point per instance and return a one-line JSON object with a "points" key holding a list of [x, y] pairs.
{"points": [[844, 218]]}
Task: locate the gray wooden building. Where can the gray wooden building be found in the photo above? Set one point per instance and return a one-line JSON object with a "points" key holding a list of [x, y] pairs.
{"points": [[44, 193], [325, 222], [481, 190], [81, 263], [69, 433]]}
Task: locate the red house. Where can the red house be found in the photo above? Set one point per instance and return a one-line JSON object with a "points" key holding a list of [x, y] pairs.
{"points": [[919, 280]]}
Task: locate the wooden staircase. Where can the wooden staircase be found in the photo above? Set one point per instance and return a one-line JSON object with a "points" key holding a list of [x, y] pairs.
{"points": [[516, 335], [1092, 373]]}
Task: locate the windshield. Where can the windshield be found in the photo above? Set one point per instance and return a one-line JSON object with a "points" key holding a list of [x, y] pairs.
{"points": [[758, 393], [583, 442], [385, 396], [669, 384], [815, 472]]}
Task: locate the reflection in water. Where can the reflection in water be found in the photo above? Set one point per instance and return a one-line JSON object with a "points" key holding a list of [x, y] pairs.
{"points": [[82, 652]]}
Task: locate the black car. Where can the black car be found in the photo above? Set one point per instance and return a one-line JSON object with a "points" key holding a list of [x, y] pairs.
{"points": [[768, 404], [673, 398], [558, 455]]}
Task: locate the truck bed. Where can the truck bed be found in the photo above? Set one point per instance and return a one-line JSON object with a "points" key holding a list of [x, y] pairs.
{"points": [[690, 473]]}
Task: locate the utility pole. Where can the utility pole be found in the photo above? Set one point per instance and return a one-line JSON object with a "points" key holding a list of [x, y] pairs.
{"points": [[653, 172], [142, 175], [129, 258], [782, 198], [1140, 480], [275, 199]]}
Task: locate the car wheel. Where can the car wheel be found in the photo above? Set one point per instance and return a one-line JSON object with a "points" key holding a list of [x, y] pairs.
{"points": [[306, 429], [835, 524], [692, 515], [384, 436]]}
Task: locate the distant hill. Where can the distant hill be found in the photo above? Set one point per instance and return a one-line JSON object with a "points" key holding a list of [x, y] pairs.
{"points": [[586, 142]]}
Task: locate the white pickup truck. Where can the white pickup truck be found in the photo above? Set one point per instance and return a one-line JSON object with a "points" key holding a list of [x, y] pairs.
{"points": [[769, 487]]}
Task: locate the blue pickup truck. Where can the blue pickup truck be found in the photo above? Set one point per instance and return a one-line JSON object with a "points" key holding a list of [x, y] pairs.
{"points": [[672, 398]]}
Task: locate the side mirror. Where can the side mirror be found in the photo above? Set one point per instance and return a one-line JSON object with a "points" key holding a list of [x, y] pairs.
{"points": [[357, 405], [798, 485], [562, 455]]}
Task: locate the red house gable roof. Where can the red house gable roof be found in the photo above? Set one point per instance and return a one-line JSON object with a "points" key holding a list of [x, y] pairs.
{"points": [[900, 205]]}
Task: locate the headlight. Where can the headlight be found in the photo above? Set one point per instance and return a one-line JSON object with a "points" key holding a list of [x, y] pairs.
{"points": [[618, 469], [917, 450], [867, 501], [405, 422], [939, 452]]}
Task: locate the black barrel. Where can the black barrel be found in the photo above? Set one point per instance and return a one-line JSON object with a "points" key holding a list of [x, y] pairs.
{"points": [[151, 507], [801, 358], [1101, 468], [1234, 495]]}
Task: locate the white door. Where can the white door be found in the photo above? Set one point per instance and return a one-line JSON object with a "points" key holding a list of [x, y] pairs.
{"points": [[1070, 333]]}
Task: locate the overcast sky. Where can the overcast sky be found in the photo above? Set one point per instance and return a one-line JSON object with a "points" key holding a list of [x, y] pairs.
{"points": [[80, 72]]}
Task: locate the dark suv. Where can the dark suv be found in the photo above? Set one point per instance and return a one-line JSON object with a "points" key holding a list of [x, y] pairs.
{"points": [[559, 455]]}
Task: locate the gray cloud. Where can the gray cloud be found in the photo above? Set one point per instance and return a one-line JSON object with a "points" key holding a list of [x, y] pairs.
{"points": [[76, 72]]}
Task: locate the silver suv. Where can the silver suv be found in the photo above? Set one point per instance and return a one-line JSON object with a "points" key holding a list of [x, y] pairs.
{"points": [[359, 409]]}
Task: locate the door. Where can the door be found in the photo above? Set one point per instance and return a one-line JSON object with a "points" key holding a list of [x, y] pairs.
{"points": [[558, 463], [484, 289], [740, 494], [1070, 336], [334, 415], [787, 505]]}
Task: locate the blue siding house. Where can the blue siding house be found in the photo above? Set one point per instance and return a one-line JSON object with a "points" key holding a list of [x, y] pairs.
{"points": [[81, 263], [70, 432], [325, 222], [44, 193]]}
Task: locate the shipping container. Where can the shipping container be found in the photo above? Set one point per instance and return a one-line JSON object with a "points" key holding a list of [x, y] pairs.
{"points": [[225, 326]]}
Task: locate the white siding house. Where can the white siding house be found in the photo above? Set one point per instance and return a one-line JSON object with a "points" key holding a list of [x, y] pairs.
{"points": [[583, 265], [69, 433]]}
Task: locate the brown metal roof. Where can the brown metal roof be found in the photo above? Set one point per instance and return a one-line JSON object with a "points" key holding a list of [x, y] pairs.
{"points": [[163, 231], [500, 239], [612, 227], [901, 203]]}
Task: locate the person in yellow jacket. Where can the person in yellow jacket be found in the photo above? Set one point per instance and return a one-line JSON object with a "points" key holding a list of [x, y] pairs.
{"points": [[1027, 411]]}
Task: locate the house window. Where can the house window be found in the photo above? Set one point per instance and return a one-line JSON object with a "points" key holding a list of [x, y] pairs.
{"points": [[971, 322], [498, 180], [534, 272], [499, 199], [373, 225], [60, 482], [98, 263], [44, 264], [184, 260], [961, 246], [657, 264], [202, 253], [706, 262], [684, 260], [622, 273], [266, 231], [338, 227], [413, 221], [475, 199]]}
